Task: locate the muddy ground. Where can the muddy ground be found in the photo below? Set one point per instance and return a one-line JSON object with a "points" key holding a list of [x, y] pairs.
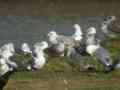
{"points": [[60, 7], [64, 85]]}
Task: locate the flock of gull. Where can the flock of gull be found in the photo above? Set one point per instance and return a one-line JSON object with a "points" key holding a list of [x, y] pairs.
{"points": [[75, 46]]}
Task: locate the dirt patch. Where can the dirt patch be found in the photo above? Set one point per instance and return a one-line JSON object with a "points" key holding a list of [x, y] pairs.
{"points": [[60, 7], [60, 84]]}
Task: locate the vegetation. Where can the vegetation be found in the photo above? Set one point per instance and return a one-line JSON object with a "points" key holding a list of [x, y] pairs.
{"points": [[60, 74]]}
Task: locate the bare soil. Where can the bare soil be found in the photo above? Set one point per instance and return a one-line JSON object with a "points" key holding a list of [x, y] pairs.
{"points": [[61, 84], [60, 7]]}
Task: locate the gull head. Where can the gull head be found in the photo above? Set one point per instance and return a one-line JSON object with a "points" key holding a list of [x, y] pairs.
{"points": [[91, 30], [77, 29], [52, 36], [25, 48], [41, 45], [52, 33], [111, 18]]}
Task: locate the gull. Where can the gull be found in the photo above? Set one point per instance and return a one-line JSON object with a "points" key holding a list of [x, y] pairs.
{"points": [[39, 59], [62, 43], [94, 48], [108, 25]]}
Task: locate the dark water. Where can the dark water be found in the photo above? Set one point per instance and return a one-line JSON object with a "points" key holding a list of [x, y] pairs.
{"points": [[19, 29]]}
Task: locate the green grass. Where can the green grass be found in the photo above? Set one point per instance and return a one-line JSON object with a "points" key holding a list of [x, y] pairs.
{"points": [[58, 70]]}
